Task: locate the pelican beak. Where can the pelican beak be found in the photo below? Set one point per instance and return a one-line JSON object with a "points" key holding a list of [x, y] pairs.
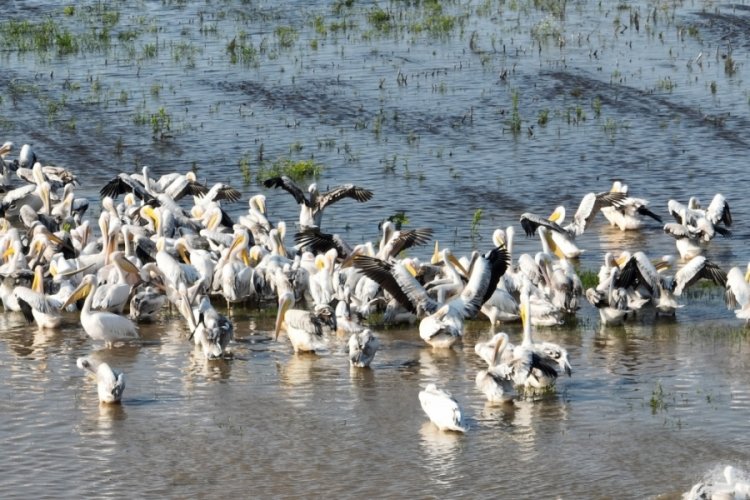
{"points": [[555, 216], [568, 369], [128, 266], [524, 315], [149, 212], [214, 220], [435, 254], [184, 254], [458, 265], [262, 204], [37, 284], [8, 253], [245, 255], [285, 301], [747, 276], [621, 260], [83, 290], [255, 255], [235, 243], [410, 267], [55, 239], [499, 346]]}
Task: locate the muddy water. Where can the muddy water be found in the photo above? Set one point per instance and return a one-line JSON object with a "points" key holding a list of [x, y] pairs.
{"points": [[640, 92]]}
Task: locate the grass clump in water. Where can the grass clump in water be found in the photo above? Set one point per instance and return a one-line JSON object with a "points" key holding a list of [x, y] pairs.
{"points": [[515, 117], [286, 36], [380, 20], [297, 170]]}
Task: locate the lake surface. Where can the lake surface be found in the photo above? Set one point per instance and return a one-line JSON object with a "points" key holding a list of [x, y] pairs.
{"points": [[416, 102]]}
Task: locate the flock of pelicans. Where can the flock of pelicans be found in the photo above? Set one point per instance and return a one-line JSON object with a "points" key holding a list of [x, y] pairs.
{"points": [[169, 241]]}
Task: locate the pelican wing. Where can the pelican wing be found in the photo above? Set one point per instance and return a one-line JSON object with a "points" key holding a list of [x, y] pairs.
{"points": [[395, 279], [409, 238], [485, 274], [643, 210], [344, 191], [738, 291], [124, 183], [303, 320], [227, 192], [530, 222], [678, 231], [319, 242], [185, 187], [676, 209], [590, 205], [698, 268], [289, 186], [718, 210], [636, 271], [33, 300]]}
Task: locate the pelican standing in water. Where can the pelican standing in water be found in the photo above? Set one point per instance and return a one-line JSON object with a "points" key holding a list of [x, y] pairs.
{"points": [[110, 383], [362, 348], [442, 408], [35, 305], [305, 329], [100, 325]]}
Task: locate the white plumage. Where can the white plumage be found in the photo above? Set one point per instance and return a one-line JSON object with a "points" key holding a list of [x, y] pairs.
{"points": [[442, 408]]}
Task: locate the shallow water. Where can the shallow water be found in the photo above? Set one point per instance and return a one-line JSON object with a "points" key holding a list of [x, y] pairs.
{"points": [[424, 121]]}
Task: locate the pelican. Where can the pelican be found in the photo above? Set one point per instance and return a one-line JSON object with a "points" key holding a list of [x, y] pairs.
{"points": [[441, 324], [627, 216], [114, 295], [100, 325], [498, 345], [311, 209], [536, 364], [697, 268], [212, 331], [110, 383], [35, 305], [496, 381], [305, 329], [610, 299], [146, 304], [442, 409], [732, 488], [362, 348], [738, 293]]}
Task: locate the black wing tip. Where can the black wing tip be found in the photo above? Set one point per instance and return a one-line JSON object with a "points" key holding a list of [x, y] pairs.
{"points": [[272, 182], [645, 211]]}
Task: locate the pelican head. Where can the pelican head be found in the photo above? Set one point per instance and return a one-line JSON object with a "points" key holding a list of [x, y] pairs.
{"points": [[500, 344], [87, 284]]}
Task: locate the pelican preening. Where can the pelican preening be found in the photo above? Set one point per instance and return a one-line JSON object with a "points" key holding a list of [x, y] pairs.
{"points": [[442, 409], [362, 348], [110, 383]]}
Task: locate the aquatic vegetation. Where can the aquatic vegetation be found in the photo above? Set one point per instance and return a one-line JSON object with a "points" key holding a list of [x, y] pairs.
{"points": [[657, 401], [543, 117], [286, 36], [245, 170], [475, 222], [296, 170], [515, 117]]}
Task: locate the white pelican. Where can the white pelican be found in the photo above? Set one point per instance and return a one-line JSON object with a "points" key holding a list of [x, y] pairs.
{"points": [[362, 348], [442, 409], [732, 488], [496, 381], [35, 305], [393, 241], [441, 324], [491, 349], [100, 325], [610, 299], [212, 331], [146, 304], [115, 294], [536, 364], [627, 216], [305, 329], [110, 383], [697, 268], [311, 209], [738, 292]]}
